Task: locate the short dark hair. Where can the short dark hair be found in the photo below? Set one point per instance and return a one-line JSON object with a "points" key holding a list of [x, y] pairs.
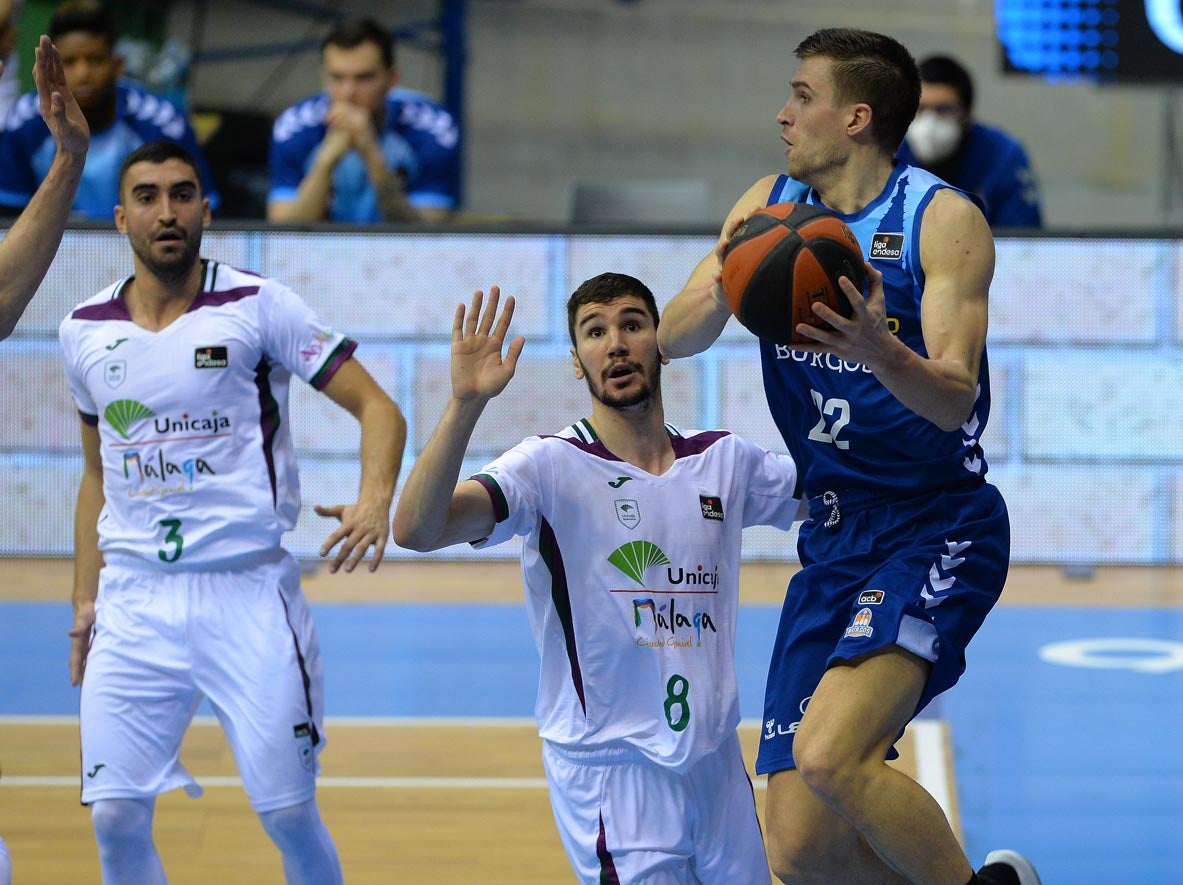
{"points": [[875, 69], [82, 15], [356, 31], [605, 288], [946, 71], [158, 152]]}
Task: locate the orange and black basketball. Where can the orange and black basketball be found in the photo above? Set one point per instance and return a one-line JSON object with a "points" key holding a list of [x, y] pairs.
{"points": [[782, 260]]}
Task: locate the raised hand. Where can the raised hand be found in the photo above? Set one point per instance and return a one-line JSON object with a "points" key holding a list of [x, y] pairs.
{"points": [[478, 369], [59, 109]]}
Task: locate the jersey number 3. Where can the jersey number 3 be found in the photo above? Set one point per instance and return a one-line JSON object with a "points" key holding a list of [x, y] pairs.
{"points": [[174, 538], [836, 412]]}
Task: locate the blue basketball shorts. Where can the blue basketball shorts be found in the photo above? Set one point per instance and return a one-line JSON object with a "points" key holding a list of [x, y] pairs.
{"points": [[920, 573]]}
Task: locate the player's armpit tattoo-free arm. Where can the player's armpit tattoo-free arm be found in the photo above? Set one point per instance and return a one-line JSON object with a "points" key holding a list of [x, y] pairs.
{"points": [[383, 438], [431, 513], [434, 511], [695, 317], [87, 558], [957, 253]]}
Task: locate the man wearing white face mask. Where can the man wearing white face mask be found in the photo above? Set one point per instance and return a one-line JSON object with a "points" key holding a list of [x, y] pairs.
{"points": [[983, 160]]}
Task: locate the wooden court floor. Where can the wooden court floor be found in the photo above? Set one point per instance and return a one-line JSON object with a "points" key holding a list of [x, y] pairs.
{"points": [[418, 801]]}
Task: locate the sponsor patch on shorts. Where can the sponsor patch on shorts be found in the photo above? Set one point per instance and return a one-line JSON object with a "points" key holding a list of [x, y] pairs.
{"points": [[303, 736], [861, 628]]}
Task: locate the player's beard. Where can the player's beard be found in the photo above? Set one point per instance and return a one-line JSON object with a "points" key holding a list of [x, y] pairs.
{"points": [[645, 395], [173, 266], [813, 168]]}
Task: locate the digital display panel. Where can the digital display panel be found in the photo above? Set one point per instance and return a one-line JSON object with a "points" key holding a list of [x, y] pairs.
{"points": [[1106, 41]]}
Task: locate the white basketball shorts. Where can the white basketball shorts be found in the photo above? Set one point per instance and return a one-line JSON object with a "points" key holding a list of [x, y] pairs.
{"points": [[241, 638], [622, 818]]}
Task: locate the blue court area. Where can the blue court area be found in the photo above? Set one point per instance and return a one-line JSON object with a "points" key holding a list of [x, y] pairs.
{"points": [[1066, 728]]}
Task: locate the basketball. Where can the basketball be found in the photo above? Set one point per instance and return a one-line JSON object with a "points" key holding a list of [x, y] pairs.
{"points": [[782, 260]]}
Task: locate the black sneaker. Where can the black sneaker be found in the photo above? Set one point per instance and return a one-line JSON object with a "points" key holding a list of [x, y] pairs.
{"points": [[1008, 867]]}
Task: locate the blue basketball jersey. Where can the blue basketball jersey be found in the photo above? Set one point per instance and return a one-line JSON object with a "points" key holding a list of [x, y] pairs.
{"points": [[845, 429]]}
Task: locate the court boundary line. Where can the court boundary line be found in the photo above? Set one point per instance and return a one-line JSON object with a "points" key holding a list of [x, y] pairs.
{"points": [[929, 736]]}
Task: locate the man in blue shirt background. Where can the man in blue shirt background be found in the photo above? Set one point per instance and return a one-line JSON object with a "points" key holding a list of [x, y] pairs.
{"points": [[121, 116], [983, 160], [363, 150]]}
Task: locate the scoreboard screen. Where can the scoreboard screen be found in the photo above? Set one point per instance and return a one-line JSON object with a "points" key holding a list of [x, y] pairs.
{"points": [[1107, 41]]}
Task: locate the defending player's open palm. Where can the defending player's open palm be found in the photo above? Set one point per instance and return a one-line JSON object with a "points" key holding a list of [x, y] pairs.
{"points": [[478, 369], [363, 525]]}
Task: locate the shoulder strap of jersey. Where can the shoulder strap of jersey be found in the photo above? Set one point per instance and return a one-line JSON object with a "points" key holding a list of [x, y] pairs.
{"points": [[787, 190]]}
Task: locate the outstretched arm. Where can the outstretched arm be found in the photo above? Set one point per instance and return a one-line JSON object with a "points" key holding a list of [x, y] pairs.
{"points": [[695, 317], [433, 510], [29, 246], [366, 523]]}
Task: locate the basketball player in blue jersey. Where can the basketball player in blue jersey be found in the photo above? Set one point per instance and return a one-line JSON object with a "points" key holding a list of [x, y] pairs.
{"points": [[631, 570], [28, 248], [121, 116], [906, 546], [182, 590]]}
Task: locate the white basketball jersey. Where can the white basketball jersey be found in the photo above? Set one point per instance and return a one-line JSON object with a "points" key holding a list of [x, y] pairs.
{"points": [[198, 466], [632, 582]]}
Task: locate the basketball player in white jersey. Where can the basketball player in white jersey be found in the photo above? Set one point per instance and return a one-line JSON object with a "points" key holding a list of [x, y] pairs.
{"points": [[30, 244], [182, 590], [28, 248], [631, 570]]}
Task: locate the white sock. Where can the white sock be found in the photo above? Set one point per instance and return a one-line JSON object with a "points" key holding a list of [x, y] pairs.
{"points": [[123, 831], [309, 855]]}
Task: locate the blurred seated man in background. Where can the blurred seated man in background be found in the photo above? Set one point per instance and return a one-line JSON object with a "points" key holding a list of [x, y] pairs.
{"points": [[362, 150], [983, 160], [121, 116]]}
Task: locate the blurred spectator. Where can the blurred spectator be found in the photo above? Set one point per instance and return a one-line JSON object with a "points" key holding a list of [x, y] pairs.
{"points": [[121, 115], [10, 78], [363, 150], [983, 160]]}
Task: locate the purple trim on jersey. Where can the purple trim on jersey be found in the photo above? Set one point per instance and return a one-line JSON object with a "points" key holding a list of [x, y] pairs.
{"points": [[684, 447], [608, 874], [596, 448], [92, 420], [343, 352], [305, 679], [500, 505], [268, 421], [225, 296], [113, 309], [560, 596]]}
